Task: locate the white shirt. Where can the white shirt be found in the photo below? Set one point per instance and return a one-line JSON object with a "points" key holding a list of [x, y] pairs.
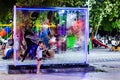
{"points": [[39, 52], [113, 42]]}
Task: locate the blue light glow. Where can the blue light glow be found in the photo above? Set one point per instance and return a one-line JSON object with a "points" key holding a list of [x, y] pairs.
{"points": [[51, 9]]}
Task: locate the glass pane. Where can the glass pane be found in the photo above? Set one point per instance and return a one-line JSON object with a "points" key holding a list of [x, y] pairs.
{"points": [[61, 30]]}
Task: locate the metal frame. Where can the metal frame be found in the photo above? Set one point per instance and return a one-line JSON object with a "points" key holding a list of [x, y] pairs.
{"points": [[86, 34]]}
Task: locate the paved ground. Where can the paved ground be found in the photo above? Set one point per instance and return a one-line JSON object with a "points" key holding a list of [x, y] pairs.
{"points": [[96, 55], [63, 76], [107, 66], [103, 55]]}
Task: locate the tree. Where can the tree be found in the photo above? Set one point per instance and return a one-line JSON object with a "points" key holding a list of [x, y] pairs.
{"points": [[6, 10], [113, 19], [51, 3], [104, 13]]}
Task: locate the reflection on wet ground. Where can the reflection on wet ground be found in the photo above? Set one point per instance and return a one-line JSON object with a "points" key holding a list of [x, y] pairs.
{"points": [[63, 76]]}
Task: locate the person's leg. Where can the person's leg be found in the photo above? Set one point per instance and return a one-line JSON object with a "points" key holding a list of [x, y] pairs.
{"points": [[38, 66], [9, 53], [28, 44], [3, 49], [88, 48], [64, 46], [26, 52], [47, 53]]}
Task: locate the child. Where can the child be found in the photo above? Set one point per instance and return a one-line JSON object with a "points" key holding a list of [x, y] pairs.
{"points": [[39, 55]]}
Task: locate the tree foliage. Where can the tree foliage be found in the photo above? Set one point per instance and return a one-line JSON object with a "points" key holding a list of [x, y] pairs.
{"points": [[103, 13], [51, 3], [113, 18], [6, 10]]}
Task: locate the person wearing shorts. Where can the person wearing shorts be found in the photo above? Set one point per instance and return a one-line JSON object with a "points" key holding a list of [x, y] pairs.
{"points": [[39, 56]]}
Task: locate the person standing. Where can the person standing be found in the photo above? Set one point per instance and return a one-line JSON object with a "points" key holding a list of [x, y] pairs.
{"points": [[39, 56], [31, 42]]}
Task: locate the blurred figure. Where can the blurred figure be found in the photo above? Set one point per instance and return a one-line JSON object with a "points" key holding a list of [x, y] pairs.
{"points": [[7, 48]]}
